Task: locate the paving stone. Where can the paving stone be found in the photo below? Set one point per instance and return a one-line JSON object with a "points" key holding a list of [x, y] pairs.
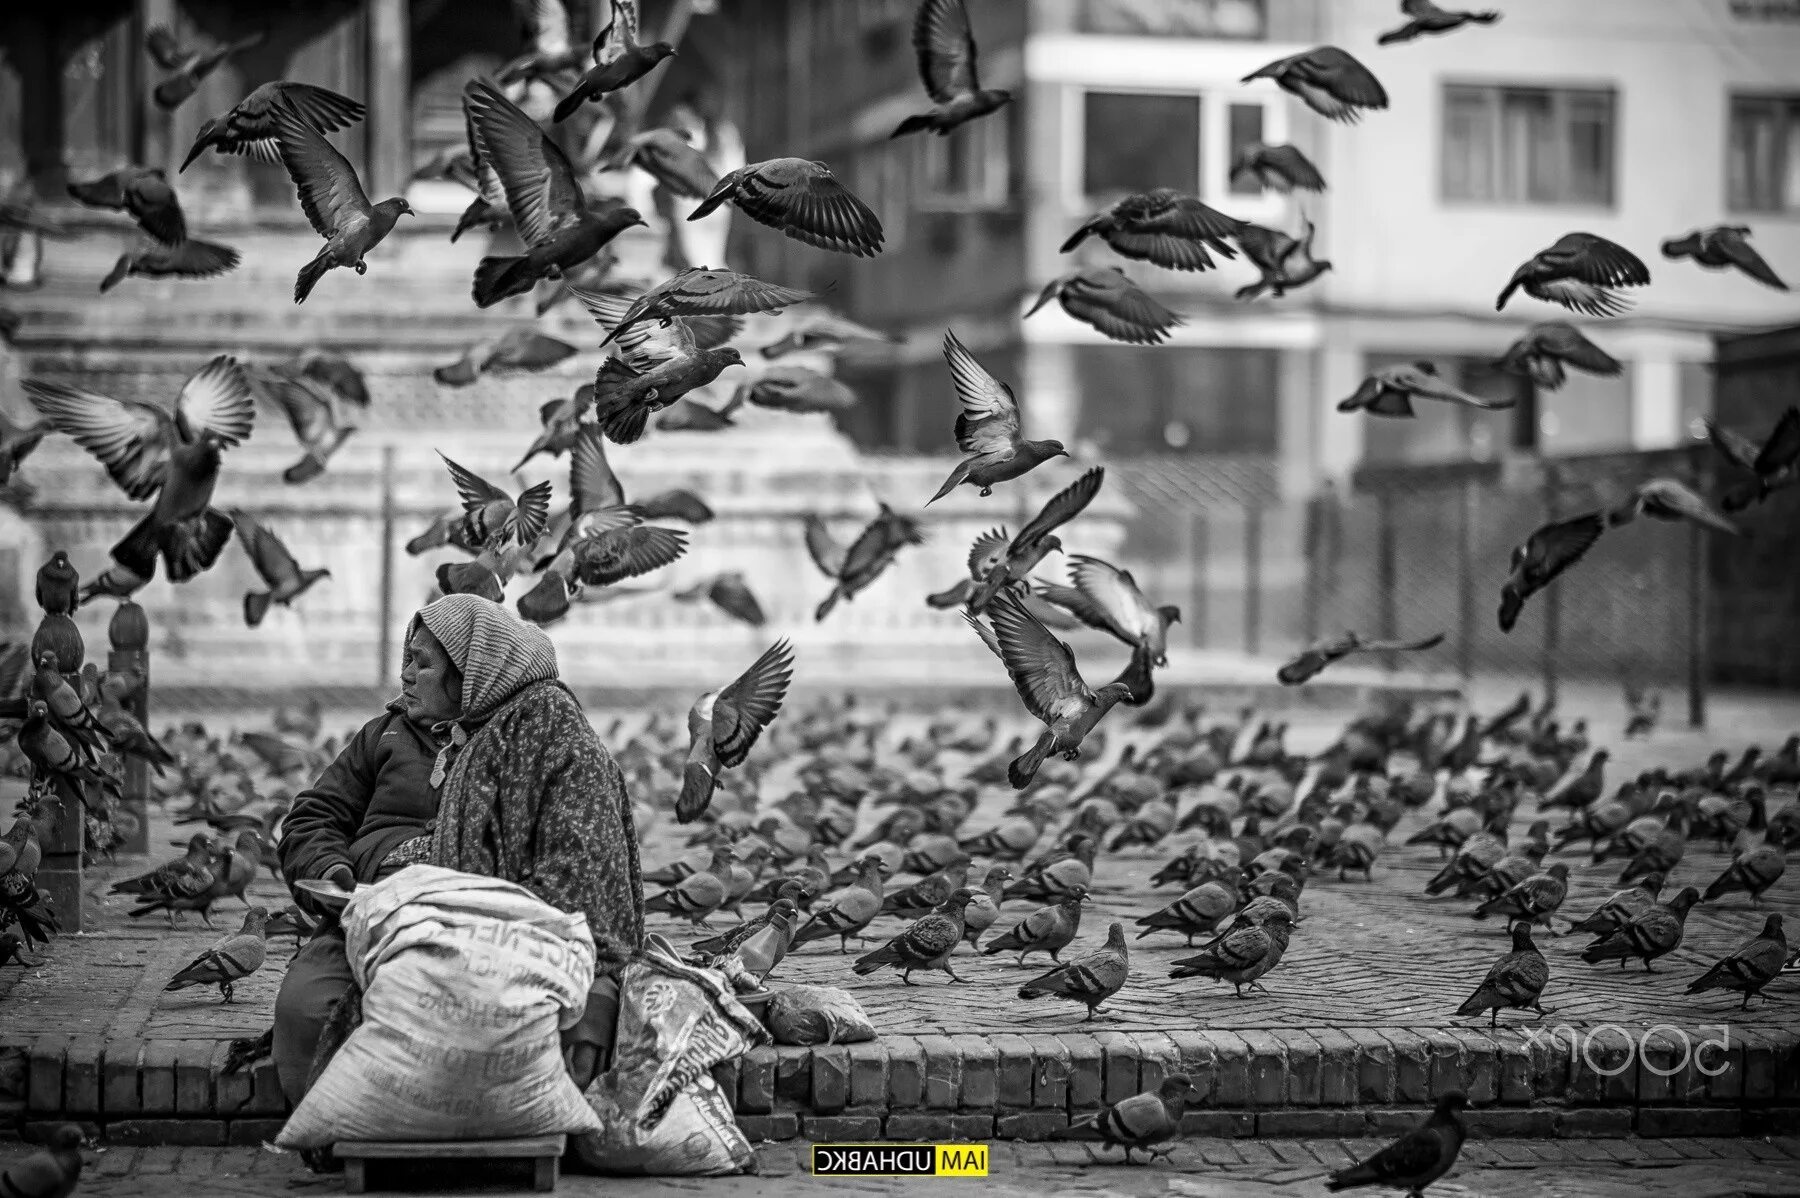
{"points": [[1086, 1085], [758, 1128], [943, 1072], [1594, 1121], [793, 1076], [1303, 1124], [252, 1132], [840, 1129], [1013, 1070], [830, 1089], [868, 1074], [1689, 1121], [1119, 1066], [205, 1132], [1050, 1082], [905, 1072], [1030, 1125], [979, 1088]]}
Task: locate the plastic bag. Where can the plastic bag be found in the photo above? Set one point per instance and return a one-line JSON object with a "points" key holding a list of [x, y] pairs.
{"points": [[466, 982], [660, 1111], [810, 1015]]}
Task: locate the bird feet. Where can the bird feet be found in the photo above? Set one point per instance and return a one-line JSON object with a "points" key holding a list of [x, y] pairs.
{"points": [[986, 491], [362, 268]]}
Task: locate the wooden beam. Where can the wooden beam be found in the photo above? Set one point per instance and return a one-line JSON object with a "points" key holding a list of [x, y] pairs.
{"points": [[390, 98]]}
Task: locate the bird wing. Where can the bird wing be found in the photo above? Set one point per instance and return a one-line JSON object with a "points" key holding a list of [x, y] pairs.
{"points": [[629, 552], [1241, 948], [1565, 542], [527, 349], [1566, 342], [217, 400], [1430, 386], [710, 332], [1737, 449], [826, 553], [645, 345], [989, 421], [273, 561], [987, 551], [700, 292], [987, 636], [198, 259], [130, 439], [807, 202], [1123, 311], [1429, 642], [1062, 507], [621, 33], [1113, 594], [164, 48], [1597, 261], [1782, 448], [474, 491], [746, 707], [1263, 246], [1740, 252], [1042, 667], [330, 193], [592, 482], [541, 188], [946, 48], [1184, 216], [1298, 168], [549, 27]]}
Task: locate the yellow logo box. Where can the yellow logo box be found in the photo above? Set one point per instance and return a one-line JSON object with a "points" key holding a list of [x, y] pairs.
{"points": [[899, 1160]]}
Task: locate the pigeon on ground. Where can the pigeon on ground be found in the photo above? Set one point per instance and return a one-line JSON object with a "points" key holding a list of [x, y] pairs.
{"points": [[1391, 390], [983, 910], [1581, 272], [1416, 1159], [1653, 934], [333, 200], [654, 366], [730, 593], [175, 457], [723, 726], [1037, 539], [1774, 465], [1279, 168], [1621, 907], [1533, 900], [620, 60], [802, 199], [848, 912], [698, 895], [520, 350], [926, 943], [1285, 262], [1546, 553], [1241, 956], [1045, 930], [1753, 966], [192, 259], [1723, 247], [1062, 873], [1143, 1121], [1516, 981], [1163, 226], [988, 428], [1202, 909], [1424, 17], [274, 564], [1327, 80], [928, 892], [1546, 348], [12, 950], [250, 127], [1669, 499], [1753, 872], [561, 230], [669, 158], [945, 44], [1106, 298], [190, 66], [1091, 978], [1321, 653], [178, 885], [1043, 671], [758, 953], [145, 193], [852, 570], [492, 517], [229, 961], [50, 1172]]}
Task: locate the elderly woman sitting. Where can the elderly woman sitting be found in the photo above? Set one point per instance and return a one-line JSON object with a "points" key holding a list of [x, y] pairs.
{"points": [[485, 764]]}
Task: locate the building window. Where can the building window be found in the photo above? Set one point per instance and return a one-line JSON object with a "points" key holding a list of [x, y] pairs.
{"points": [[881, 180], [970, 168], [1180, 399], [1528, 145], [1246, 130], [1133, 141], [1174, 18], [1763, 172]]}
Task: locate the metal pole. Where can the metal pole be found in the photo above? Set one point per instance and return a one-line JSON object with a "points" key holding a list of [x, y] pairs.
{"points": [[385, 631], [1467, 523], [1196, 549], [1552, 596], [1386, 571], [1253, 520], [1696, 627]]}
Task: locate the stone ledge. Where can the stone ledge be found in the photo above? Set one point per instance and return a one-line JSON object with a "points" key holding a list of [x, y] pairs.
{"points": [[1272, 1084]]}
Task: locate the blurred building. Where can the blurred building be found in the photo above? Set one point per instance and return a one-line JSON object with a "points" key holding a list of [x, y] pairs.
{"points": [[1629, 119]]}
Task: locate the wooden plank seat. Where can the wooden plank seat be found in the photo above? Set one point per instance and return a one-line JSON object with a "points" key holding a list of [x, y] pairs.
{"points": [[544, 1152]]}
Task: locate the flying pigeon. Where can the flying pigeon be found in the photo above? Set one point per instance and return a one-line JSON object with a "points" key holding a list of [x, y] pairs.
{"points": [[1581, 272], [803, 200], [1327, 80], [723, 726], [988, 428], [945, 44]]}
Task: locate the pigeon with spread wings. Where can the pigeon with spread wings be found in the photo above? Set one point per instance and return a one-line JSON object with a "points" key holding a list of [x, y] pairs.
{"points": [[315, 411], [275, 565], [1546, 553], [801, 199], [1545, 349], [1043, 671], [723, 725], [1327, 80], [1163, 226], [551, 51], [1277, 168], [654, 366], [333, 199], [175, 457], [1321, 653], [1391, 390], [1582, 273], [562, 422], [1036, 540], [491, 517], [987, 551], [192, 259], [1775, 464], [521, 350], [824, 332], [1669, 499], [1723, 247], [988, 428], [488, 210], [620, 60], [945, 44], [669, 158], [701, 291], [1423, 17], [1102, 296], [730, 593], [1285, 261], [560, 229], [190, 66], [250, 127], [1107, 598], [144, 193], [852, 570]]}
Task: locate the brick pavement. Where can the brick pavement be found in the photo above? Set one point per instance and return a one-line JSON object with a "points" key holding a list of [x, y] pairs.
{"points": [[1198, 1168], [1359, 1014]]}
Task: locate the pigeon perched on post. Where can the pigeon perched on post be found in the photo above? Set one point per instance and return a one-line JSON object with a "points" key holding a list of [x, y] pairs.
{"points": [[57, 586], [1391, 390], [275, 565], [723, 726], [620, 60], [926, 943], [802, 199], [945, 44], [988, 428], [1424, 17], [1580, 272], [1515, 981], [1416, 1159], [1321, 653], [1723, 247], [1143, 1121], [1546, 348], [1163, 226], [1753, 966], [1327, 80], [1106, 298], [1090, 979], [229, 961], [1546, 553], [250, 127]]}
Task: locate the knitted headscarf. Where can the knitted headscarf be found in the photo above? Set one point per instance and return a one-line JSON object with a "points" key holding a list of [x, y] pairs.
{"points": [[497, 653]]}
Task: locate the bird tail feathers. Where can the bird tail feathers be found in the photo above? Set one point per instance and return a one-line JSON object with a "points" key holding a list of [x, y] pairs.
{"points": [[912, 124], [459, 373], [171, 92], [304, 470], [950, 484], [696, 792], [496, 278], [256, 606], [824, 609], [884, 955], [191, 546], [117, 274], [1023, 768]]}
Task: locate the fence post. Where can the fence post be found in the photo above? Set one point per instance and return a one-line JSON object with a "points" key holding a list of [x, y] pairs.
{"points": [[61, 836], [1468, 521], [1253, 558], [1386, 571], [1696, 626], [384, 634], [1196, 549], [1547, 664], [129, 633]]}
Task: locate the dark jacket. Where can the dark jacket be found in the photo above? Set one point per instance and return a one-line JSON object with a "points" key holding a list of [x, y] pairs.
{"points": [[376, 794]]}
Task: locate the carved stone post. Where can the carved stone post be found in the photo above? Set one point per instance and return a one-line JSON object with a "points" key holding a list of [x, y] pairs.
{"points": [[129, 633], [61, 826]]}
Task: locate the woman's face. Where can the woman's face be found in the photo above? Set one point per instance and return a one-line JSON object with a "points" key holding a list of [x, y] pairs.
{"points": [[430, 686]]}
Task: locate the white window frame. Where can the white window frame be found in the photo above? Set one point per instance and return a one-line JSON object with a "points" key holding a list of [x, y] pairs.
{"points": [[986, 139]]}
